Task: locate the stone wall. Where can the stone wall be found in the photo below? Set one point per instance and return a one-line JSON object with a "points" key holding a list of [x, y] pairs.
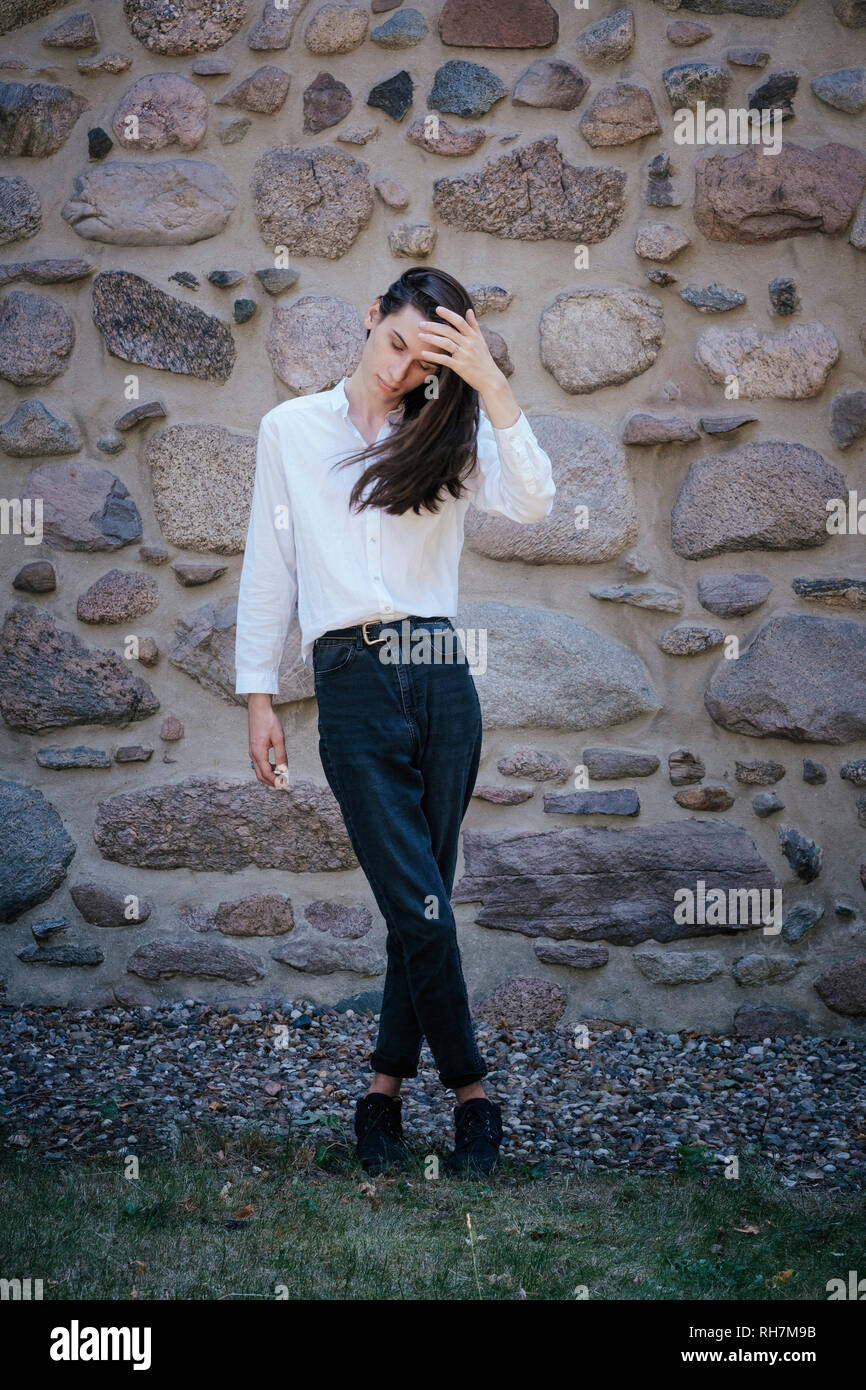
{"points": [[198, 203]]}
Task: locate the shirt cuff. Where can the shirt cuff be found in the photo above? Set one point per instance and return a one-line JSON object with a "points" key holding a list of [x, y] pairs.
{"points": [[518, 447], [521, 430], [257, 682]]}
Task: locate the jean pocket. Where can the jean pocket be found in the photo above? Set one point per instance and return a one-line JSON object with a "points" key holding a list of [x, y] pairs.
{"points": [[332, 654]]}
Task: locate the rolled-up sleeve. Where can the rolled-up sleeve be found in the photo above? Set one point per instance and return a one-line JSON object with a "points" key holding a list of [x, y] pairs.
{"points": [[514, 476], [269, 582]]}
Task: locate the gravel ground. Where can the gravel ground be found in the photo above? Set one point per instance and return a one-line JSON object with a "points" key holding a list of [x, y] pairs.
{"points": [[87, 1082]]}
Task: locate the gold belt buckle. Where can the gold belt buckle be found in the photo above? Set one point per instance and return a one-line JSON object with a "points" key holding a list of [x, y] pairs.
{"points": [[371, 641]]}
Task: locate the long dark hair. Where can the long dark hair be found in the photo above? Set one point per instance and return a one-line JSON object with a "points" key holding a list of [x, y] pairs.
{"points": [[433, 447]]}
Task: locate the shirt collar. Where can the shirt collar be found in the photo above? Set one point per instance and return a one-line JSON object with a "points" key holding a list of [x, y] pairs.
{"points": [[338, 400]]}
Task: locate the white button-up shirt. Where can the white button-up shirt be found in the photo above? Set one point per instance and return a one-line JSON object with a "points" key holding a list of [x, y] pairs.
{"points": [[343, 567]]}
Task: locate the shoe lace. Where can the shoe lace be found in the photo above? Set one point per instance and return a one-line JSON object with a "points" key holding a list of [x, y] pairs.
{"points": [[480, 1124], [387, 1118]]}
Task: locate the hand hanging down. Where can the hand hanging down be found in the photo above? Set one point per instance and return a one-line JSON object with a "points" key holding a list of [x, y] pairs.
{"points": [[266, 732]]}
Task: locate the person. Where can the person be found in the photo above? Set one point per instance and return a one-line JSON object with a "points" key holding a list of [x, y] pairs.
{"points": [[367, 540]]}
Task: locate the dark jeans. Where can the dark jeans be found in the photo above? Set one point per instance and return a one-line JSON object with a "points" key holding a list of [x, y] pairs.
{"points": [[400, 745]]}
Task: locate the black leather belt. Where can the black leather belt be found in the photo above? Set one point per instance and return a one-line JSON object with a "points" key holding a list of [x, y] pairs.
{"points": [[360, 629]]}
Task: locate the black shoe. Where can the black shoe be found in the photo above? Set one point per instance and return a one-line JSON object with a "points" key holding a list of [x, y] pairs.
{"points": [[478, 1134], [379, 1130]]}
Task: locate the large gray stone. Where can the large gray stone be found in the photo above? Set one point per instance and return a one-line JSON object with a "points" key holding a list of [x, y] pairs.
{"points": [[678, 967], [215, 823], [84, 507], [36, 118], [202, 478], [768, 496], [313, 200], [619, 115], [523, 1001], [790, 365], [207, 960], [597, 882], [104, 906], [845, 89], [316, 956], [801, 677], [37, 336], [608, 40], [50, 680], [140, 323], [20, 209], [402, 30], [752, 196], [589, 470], [34, 849], [172, 202], [166, 109], [204, 647], [314, 342], [600, 337], [118, 596], [733, 595], [552, 83], [32, 431], [544, 670], [758, 969], [842, 986], [184, 27], [462, 88], [533, 193]]}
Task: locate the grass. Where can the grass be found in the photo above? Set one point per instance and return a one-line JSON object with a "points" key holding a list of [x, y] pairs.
{"points": [[245, 1216]]}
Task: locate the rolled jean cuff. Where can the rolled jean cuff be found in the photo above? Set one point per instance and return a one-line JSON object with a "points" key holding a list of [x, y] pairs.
{"points": [[388, 1068], [453, 1083]]}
